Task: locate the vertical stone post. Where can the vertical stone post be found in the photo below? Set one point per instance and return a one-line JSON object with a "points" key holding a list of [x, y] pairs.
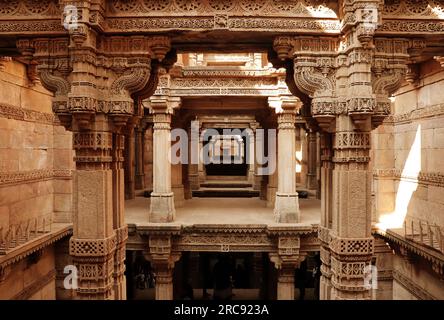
{"points": [[93, 244], [259, 144], [177, 185], [162, 198], [162, 261], [119, 224], [304, 162], [130, 158], [312, 154], [201, 165], [286, 207], [194, 155], [148, 157], [326, 215], [286, 260], [140, 173]]}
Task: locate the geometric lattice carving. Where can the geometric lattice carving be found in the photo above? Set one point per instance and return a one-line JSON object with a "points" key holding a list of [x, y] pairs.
{"points": [[347, 246], [91, 247]]}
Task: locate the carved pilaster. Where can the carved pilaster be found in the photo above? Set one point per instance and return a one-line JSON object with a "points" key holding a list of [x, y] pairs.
{"points": [[162, 260], [286, 260]]}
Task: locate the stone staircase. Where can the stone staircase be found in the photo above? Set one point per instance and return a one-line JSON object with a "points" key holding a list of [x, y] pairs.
{"points": [[226, 189]]}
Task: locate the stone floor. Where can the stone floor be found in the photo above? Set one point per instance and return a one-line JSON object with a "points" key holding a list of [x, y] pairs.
{"points": [[222, 211]]}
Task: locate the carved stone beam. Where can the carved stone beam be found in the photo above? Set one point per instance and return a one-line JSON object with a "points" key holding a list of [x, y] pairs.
{"points": [[389, 68], [50, 58]]}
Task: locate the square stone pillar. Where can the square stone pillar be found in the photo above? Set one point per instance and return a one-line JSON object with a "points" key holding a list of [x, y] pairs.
{"points": [[162, 261], [194, 158], [140, 172], [148, 157], [130, 158], [93, 244], [162, 198], [286, 260], [312, 182], [286, 207]]}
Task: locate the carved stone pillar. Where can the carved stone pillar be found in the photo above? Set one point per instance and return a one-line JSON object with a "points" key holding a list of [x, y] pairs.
{"points": [[177, 185], [130, 158], [148, 157], [326, 215], [194, 155], [93, 244], [162, 198], [201, 166], [94, 84], [286, 207], [162, 261], [312, 153], [304, 161], [349, 84], [140, 173], [119, 224], [286, 260]]}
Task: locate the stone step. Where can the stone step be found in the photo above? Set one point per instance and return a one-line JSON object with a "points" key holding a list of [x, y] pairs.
{"points": [[226, 184], [225, 193]]}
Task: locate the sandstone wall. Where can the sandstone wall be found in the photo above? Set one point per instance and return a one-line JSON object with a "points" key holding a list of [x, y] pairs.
{"points": [[36, 159], [408, 162], [409, 150]]}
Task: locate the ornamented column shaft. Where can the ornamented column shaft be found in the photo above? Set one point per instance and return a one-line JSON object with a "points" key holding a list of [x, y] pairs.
{"points": [[93, 244], [140, 173], [312, 152], [193, 146], [287, 203], [326, 215], [259, 140], [119, 224], [162, 198], [130, 174]]}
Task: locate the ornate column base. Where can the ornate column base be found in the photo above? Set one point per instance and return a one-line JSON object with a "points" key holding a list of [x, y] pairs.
{"points": [[162, 207], [286, 207], [350, 264], [94, 259]]}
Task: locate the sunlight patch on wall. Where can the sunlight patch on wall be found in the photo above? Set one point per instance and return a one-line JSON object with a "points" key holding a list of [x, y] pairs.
{"points": [[407, 187]]}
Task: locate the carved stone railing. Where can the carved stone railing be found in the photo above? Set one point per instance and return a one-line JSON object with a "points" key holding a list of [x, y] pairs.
{"points": [[23, 232], [425, 233]]}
